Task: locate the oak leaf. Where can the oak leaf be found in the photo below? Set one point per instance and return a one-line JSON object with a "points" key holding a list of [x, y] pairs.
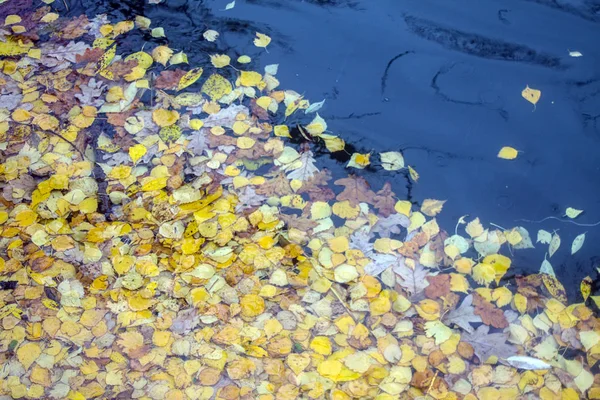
{"points": [[490, 314], [385, 200], [356, 190]]}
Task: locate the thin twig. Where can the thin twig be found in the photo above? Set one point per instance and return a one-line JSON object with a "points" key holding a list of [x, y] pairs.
{"points": [[66, 5], [559, 220]]}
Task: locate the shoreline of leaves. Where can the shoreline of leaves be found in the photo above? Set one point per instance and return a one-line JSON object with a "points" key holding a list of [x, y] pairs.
{"points": [[214, 259]]}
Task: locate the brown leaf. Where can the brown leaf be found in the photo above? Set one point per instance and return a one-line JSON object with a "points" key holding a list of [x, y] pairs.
{"points": [[385, 200], [490, 315], [277, 186], [75, 28], [258, 111], [121, 68], [169, 79], [356, 190], [293, 221], [90, 55], [439, 286]]}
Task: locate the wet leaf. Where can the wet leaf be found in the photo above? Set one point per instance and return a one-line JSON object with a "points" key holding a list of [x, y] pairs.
{"points": [[432, 207], [531, 95], [262, 40], [572, 212], [392, 160], [508, 153], [189, 78], [577, 243], [555, 244]]}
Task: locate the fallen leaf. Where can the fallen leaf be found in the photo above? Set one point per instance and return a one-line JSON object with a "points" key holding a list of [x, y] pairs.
{"points": [[577, 243], [572, 212], [464, 315], [262, 40], [508, 153], [392, 160], [432, 207], [554, 244], [531, 95]]}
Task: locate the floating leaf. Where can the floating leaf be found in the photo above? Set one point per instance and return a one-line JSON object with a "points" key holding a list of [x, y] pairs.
{"points": [[572, 212], [508, 153], [432, 207], [586, 287], [554, 244], [220, 60], [262, 40], [531, 95], [216, 87], [162, 54], [158, 32], [544, 237], [358, 160], [229, 6], [392, 160], [314, 107], [546, 268], [577, 243], [189, 78], [528, 363], [210, 35], [575, 54]]}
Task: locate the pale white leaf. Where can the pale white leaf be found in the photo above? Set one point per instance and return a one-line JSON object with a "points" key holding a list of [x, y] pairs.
{"points": [[525, 242], [529, 363], [272, 69], [575, 54], [211, 35], [554, 244], [577, 243], [546, 268], [544, 237], [158, 32], [314, 107], [572, 212], [229, 6]]}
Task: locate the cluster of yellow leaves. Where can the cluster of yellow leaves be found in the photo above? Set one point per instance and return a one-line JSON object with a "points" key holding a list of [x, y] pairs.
{"points": [[158, 263]]}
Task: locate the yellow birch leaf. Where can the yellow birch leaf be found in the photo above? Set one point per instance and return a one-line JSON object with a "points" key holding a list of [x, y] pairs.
{"points": [[432, 207], [359, 160], [136, 152], [163, 117], [28, 353], [250, 78], [12, 19], [403, 207], [262, 40], [508, 153], [321, 345], [264, 102], [586, 287], [282, 131], [244, 59], [189, 78], [414, 175], [162, 54], [220, 60], [216, 87], [531, 95]]}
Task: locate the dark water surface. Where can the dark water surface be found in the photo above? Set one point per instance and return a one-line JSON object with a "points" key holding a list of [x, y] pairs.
{"points": [[440, 81]]}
